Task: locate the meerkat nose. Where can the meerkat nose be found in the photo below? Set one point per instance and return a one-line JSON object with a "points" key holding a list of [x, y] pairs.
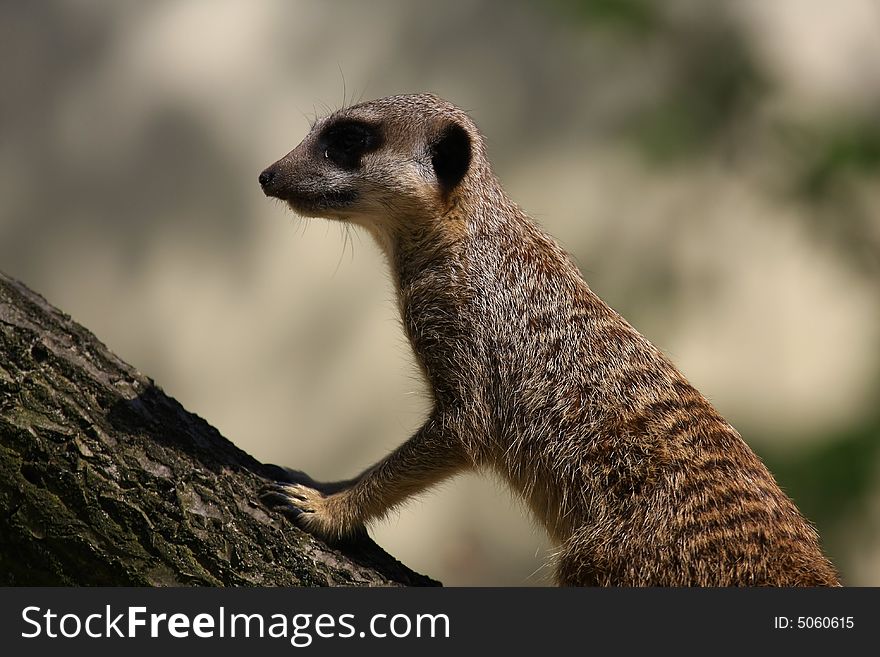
{"points": [[266, 178]]}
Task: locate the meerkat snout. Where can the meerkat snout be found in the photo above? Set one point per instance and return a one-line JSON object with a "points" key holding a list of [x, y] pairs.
{"points": [[266, 179]]}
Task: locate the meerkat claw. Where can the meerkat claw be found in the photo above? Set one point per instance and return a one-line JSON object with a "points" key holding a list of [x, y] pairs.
{"points": [[275, 497]]}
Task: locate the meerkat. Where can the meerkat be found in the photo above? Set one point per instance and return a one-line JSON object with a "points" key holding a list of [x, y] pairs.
{"points": [[633, 474]]}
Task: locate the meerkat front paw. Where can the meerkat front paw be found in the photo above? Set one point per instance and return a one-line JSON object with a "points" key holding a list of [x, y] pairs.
{"points": [[321, 515]]}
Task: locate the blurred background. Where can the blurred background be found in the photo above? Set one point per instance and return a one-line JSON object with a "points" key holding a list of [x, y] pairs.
{"points": [[713, 168]]}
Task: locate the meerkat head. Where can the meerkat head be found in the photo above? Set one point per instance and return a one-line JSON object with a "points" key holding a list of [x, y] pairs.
{"points": [[384, 164]]}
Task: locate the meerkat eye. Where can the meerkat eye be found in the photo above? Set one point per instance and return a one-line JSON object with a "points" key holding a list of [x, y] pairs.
{"points": [[344, 142]]}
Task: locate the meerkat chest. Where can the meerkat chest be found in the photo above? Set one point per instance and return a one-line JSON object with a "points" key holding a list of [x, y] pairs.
{"points": [[448, 340]]}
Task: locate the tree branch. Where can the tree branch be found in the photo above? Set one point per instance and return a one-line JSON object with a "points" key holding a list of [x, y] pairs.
{"points": [[105, 480]]}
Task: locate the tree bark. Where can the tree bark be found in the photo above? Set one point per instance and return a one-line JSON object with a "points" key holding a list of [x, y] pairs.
{"points": [[105, 480]]}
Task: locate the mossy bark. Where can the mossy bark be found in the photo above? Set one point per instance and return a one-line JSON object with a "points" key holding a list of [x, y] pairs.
{"points": [[105, 480]]}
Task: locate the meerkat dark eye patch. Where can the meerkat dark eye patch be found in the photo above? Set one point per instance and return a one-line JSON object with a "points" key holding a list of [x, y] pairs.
{"points": [[346, 141], [451, 155]]}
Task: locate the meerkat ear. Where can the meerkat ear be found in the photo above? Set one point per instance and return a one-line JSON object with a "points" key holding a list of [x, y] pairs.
{"points": [[451, 156]]}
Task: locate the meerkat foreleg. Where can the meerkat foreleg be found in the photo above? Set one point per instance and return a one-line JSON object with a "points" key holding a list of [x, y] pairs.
{"points": [[340, 510]]}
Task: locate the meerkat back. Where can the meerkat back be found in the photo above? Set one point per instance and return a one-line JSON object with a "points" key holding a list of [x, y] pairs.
{"points": [[634, 475]]}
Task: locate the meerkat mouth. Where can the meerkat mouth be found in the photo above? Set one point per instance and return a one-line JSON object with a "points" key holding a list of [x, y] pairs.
{"points": [[318, 203]]}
